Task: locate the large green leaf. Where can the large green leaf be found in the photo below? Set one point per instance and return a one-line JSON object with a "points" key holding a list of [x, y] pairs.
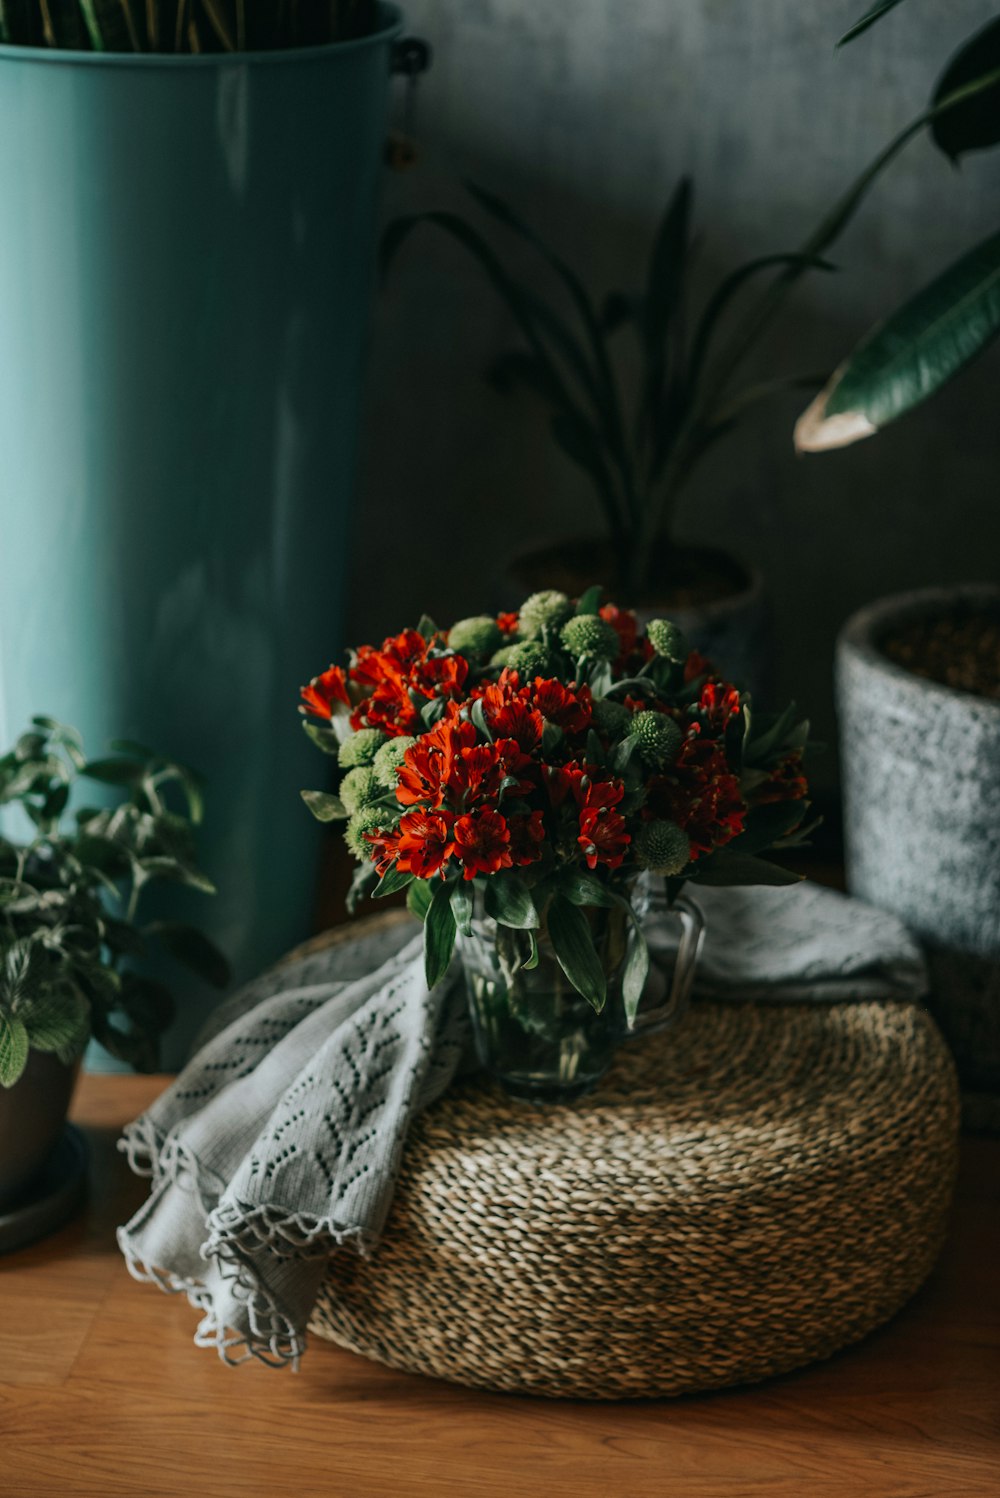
{"points": [[508, 900], [911, 355], [324, 806], [973, 125], [439, 934], [868, 19], [58, 1021], [573, 944]]}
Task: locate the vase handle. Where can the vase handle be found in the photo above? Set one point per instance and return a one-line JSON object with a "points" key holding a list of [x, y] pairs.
{"points": [[681, 980]]}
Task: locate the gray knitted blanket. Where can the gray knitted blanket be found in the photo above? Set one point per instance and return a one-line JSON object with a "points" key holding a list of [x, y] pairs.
{"points": [[280, 1142]]}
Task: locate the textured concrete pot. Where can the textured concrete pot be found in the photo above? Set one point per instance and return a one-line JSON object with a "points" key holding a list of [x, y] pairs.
{"points": [[733, 631], [32, 1115], [921, 768]]}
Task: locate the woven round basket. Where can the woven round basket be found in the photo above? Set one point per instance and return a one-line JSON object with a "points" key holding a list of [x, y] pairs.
{"points": [[742, 1195]]}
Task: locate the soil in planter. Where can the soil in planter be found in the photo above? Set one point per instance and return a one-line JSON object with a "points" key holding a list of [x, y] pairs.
{"points": [[688, 577], [960, 650]]}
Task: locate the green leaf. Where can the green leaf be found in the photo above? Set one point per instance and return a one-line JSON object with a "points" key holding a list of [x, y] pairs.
{"points": [[178, 873], [188, 945], [665, 279], [439, 935], [581, 888], [727, 290], [636, 970], [590, 601], [868, 19], [13, 1048], [418, 898], [764, 825], [725, 867], [478, 717], [391, 882], [324, 806], [58, 1021], [114, 771], [322, 736], [573, 944], [426, 628], [461, 906], [975, 124], [919, 348], [508, 900]]}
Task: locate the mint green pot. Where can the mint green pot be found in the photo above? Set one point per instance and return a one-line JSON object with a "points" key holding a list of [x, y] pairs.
{"points": [[186, 267]]}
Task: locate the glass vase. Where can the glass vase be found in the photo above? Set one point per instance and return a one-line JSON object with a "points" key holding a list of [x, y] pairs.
{"points": [[539, 1038]]}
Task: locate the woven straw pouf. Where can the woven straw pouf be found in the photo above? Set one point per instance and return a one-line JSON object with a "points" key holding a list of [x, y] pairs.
{"points": [[743, 1194]]}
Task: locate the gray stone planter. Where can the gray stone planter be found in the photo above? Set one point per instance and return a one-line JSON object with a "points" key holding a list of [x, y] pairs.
{"points": [[921, 769]]}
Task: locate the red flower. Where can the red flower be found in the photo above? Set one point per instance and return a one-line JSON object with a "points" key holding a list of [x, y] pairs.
{"points": [[482, 842], [570, 710], [585, 784], [507, 624], [602, 836], [787, 783], [509, 713], [527, 833], [385, 850], [700, 794], [323, 691], [425, 843], [626, 626], [696, 665], [719, 702], [429, 768]]}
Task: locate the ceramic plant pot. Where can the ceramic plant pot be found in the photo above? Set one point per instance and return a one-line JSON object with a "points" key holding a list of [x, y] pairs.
{"points": [[188, 255], [32, 1115], [921, 767]]}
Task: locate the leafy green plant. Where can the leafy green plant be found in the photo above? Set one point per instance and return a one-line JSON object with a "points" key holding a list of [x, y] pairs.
{"points": [[690, 392], [183, 25], [926, 341], [70, 898]]}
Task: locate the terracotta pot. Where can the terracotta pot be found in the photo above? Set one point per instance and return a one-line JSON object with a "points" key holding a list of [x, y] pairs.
{"points": [[717, 601], [921, 771], [32, 1115]]}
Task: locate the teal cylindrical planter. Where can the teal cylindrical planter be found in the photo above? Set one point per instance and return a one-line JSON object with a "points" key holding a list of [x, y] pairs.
{"points": [[186, 264]]}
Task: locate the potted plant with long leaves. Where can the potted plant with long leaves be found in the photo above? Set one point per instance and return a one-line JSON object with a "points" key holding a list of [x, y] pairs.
{"points": [[74, 937], [919, 673], [190, 228]]}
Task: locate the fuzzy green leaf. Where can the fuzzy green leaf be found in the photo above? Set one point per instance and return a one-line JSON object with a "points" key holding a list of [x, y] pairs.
{"points": [[13, 1048], [322, 736]]}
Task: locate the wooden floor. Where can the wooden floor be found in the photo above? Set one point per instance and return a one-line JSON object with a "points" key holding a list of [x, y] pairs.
{"points": [[102, 1392]]}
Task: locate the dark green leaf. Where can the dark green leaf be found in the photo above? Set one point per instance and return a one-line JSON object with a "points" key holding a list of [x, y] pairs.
{"points": [[322, 736], [114, 771], [439, 935], [13, 1048], [478, 717], [508, 900], [461, 906], [665, 280], [973, 125], [426, 628], [764, 825], [573, 944], [636, 971], [188, 945], [324, 806], [391, 882], [868, 19], [418, 898], [911, 355], [581, 888], [590, 601], [58, 1021]]}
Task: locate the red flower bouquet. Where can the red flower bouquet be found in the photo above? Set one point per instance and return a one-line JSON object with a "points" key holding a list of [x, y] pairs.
{"points": [[527, 769]]}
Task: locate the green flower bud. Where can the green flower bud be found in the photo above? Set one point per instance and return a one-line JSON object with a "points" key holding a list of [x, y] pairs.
{"points": [[361, 748], [667, 640], [592, 636], [661, 847], [530, 659], [478, 636], [545, 610], [611, 718], [659, 737], [367, 819], [360, 787], [389, 758]]}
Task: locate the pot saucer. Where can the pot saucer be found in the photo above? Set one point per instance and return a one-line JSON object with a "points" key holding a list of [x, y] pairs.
{"points": [[53, 1197]]}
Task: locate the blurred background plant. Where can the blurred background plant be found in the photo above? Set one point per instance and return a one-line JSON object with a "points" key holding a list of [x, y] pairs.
{"points": [[638, 447], [183, 25], [70, 899], [933, 335]]}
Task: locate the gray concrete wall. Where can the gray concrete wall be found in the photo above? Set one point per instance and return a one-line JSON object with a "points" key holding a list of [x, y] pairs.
{"points": [[584, 115]]}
